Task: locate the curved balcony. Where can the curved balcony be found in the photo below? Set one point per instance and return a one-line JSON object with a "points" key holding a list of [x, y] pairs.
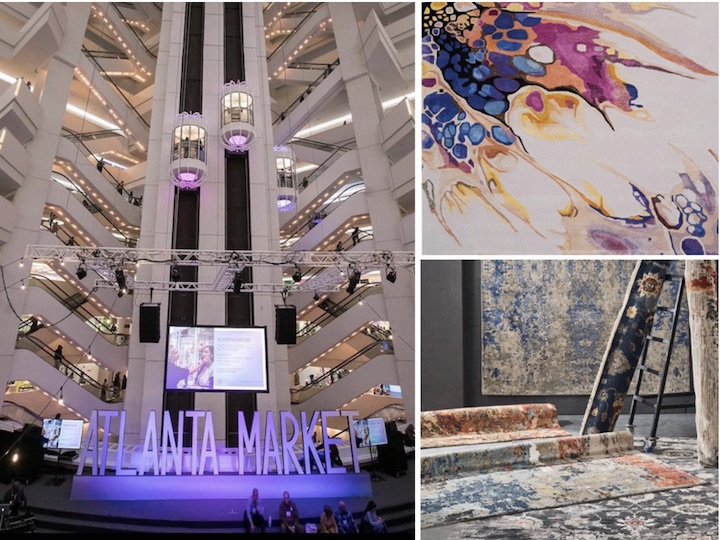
{"points": [[348, 322], [121, 307], [29, 366], [80, 306], [48, 310], [75, 369], [357, 384]]}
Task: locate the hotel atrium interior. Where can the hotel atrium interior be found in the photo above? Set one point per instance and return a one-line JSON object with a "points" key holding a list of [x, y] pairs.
{"points": [[269, 146]]}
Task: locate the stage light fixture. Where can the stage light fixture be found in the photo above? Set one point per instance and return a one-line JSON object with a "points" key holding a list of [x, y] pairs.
{"points": [[237, 282], [354, 278], [61, 401], [174, 274], [391, 274], [121, 282], [297, 274], [316, 297], [81, 271]]}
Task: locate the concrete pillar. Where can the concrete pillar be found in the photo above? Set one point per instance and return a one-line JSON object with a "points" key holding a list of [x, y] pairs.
{"points": [[702, 296], [385, 216], [30, 198]]}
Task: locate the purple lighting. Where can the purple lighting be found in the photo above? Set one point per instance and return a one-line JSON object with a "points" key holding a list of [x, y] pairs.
{"points": [[187, 176], [238, 140]]}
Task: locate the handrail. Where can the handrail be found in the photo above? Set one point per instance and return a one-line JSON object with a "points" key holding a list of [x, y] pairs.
{"points": [[109, 79], [322, 212], [334, 374], [58, 292], [297, 27], [94, 135], [108, 54], [118, 185], [82, 378], [307, 180], [35, 417], [310, 88], [324, 146], [343, 307], [124, 19]]}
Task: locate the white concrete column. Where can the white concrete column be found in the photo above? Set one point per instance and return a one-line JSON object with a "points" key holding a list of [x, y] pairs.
{"points": [[263, 214], [211, 306], [30, 198], [146, 361], [366, 110]]}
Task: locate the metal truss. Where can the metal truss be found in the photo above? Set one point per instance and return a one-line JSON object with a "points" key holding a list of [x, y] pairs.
{"points": [[107, 261], [210, 287]]}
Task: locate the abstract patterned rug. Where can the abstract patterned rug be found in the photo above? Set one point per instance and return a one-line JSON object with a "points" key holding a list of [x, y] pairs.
{"points": [[678, 514], [476, 425], [531, 118], [444, 462], [546, 324], [473, 496]]}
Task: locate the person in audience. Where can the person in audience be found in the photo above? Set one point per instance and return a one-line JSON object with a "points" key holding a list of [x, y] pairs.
{"points": [[254, 510], [289, 516], [328, 524], [15, 497], [344, 519], [375, 523]]}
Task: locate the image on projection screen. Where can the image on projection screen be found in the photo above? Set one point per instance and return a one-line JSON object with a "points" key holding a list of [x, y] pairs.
{"points": [[225, 359]]}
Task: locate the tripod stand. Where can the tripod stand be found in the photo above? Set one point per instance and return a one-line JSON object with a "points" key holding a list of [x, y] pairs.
{"points": [[57, 481], [374, 476]]}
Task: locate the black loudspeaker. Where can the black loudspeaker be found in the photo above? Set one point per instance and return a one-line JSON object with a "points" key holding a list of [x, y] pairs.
{"points": [[149, 323], [285, 325], [391, 456]]}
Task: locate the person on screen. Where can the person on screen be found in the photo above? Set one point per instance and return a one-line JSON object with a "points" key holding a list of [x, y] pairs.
{"points": [[254, 510], [363, 435], [204, 370], [176, 375], [15, 497]]}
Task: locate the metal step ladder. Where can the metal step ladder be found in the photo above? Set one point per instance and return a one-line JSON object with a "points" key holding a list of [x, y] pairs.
{"points": [[655, 401]]}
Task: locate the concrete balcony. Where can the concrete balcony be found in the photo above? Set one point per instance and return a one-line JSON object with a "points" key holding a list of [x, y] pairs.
{"points": [[33, 42], [345, 164], [14, 163], [378, 370], [330, 334], [26, 365], [304, 112], [40, 302], [20, 112]]}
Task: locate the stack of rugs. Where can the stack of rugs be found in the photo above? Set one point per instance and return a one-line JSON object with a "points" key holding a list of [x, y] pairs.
{"points": [[488, 461]]}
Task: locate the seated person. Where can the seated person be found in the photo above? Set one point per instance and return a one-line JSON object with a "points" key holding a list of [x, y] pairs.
{"points": [[254, 513], [375, 523], [15, 497], [345, 521], [328, 524], [289, 516]]}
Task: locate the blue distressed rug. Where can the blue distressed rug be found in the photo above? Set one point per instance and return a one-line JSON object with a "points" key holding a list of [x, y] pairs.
{"points": [[472, 496]]}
